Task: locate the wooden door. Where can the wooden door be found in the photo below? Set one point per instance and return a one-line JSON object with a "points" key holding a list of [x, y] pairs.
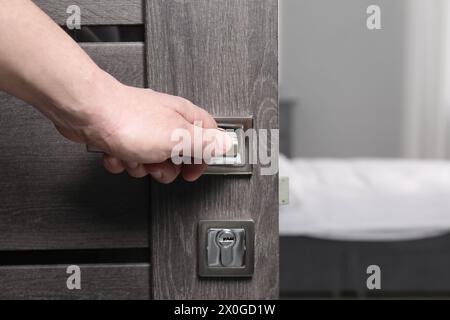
{"points": [[133, 240], [222, 55]]}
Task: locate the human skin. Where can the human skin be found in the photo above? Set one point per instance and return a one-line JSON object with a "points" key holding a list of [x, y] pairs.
{"points": [[42, 65]]}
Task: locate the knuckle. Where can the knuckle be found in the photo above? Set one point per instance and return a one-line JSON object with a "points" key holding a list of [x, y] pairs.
{"points": [[185, 102]]}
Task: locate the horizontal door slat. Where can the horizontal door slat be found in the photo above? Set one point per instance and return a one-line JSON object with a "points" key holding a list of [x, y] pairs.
{"points": [[96, 12], [98, 282], [125, 61], [54, 195]]}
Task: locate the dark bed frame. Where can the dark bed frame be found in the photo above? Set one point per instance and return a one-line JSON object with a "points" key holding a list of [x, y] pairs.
{"points": [[313, 268]]}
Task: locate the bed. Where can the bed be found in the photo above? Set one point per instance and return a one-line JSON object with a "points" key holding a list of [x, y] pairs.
{"points": [[345, 215]]}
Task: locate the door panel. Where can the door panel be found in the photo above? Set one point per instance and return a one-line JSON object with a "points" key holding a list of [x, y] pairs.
{"points": [[222, 55], [107, 282], [96, 12], [53, 194]]}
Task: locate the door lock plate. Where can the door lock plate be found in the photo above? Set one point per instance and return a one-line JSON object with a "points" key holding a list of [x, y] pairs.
{"points": [[226, 248], [238, 162]]}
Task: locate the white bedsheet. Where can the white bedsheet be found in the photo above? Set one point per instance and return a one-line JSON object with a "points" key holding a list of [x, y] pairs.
{"points": [[367, 199]]}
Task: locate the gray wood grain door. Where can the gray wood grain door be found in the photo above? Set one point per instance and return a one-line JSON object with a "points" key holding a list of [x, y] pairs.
{"points": [[222, 55], [134, 239]]}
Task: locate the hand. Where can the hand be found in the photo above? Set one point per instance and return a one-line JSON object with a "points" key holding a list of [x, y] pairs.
{"points": [[134, 128]]}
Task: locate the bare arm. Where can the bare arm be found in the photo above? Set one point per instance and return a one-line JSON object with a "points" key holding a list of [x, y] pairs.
{"points": [[42, 65]]}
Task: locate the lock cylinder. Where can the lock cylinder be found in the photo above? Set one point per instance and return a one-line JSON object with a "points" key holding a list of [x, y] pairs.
{"points": [[226, 248]]}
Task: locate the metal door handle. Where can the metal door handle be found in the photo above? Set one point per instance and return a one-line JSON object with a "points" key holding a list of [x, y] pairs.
{"points": [[237, 161]]}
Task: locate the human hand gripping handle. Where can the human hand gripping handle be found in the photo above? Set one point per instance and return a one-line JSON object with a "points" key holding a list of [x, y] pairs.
{"points": [[42, 65], [141, 139]]}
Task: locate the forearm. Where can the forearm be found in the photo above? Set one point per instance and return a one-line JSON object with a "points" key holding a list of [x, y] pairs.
{"points": [[42, 65]]}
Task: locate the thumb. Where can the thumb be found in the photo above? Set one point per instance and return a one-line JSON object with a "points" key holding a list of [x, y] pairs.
{"points": [[201, 144], [216, 143]]}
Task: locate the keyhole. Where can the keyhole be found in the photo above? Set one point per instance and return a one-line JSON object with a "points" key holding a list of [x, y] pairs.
{"points": [[226, 238]]}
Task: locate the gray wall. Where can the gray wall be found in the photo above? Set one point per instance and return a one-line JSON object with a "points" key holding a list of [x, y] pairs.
{"points": [[347, 80]]}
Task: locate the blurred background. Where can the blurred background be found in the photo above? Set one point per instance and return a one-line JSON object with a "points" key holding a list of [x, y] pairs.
{"points": [[365, 143]]}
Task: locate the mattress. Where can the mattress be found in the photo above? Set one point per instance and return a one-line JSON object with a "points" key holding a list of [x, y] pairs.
{"points": [[366, 199]]}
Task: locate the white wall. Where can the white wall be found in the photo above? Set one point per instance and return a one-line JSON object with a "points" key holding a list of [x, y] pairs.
{"points": [[348, 81]]}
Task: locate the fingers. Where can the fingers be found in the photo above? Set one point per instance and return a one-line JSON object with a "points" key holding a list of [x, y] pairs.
{"points": [[116, 166], [213, 142], [165, 172], [193, 144], [198, 119], [206, 143], [191, 113], [135, 169], [192, 172], [113, 165]]}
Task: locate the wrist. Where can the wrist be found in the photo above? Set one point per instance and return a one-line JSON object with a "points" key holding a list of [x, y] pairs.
{"points": [[86, 103]]}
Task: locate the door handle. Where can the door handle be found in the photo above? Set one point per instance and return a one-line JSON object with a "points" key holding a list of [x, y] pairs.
{"points": [[235, 162], [239, 163]]}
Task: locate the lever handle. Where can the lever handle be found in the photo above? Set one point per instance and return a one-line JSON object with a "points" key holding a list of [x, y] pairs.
{"points": [[92, 149], [235, 162], [231, 158]]}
